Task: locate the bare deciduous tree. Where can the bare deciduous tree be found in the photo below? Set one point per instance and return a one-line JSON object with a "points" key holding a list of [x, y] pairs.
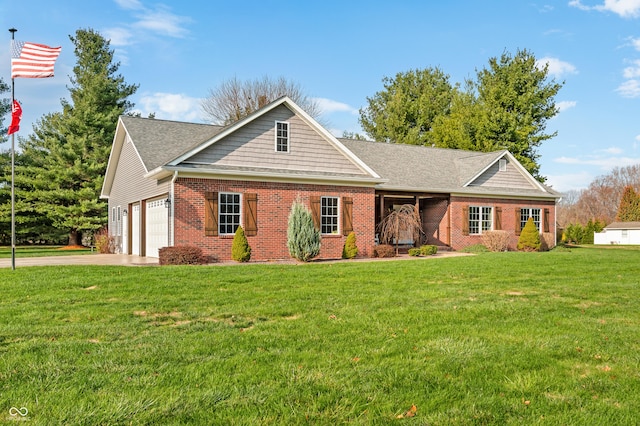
{"points": [[233, 100], [601, 199], [403, 222]]}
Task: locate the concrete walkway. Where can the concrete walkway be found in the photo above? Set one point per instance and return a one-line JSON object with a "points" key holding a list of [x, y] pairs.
{"points": [[85, 259]]}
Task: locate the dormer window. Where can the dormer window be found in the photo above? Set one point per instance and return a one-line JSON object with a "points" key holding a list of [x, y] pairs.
{"points": [[282, 136], [502, 165]]}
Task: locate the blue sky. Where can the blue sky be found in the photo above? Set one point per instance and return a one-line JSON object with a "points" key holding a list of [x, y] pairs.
{"points": [[339, 52]]}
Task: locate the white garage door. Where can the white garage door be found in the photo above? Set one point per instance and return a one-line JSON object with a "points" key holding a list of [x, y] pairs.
{"points": [[135, 230], [157, 226]]}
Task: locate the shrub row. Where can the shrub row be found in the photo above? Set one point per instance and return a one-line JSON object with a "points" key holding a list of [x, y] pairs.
{"points": [[425, 250]]}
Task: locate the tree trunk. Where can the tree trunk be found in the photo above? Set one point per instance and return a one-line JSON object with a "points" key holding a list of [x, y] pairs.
{"points": [[75, 238]]}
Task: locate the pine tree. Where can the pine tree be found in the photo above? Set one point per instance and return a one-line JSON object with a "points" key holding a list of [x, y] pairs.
{"points": [[303, 239], [629, 209], [529, 239], [240, 250], [67, 154]]}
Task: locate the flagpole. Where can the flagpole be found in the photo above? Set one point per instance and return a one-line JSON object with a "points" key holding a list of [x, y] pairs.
{"points": [[13, 174]]}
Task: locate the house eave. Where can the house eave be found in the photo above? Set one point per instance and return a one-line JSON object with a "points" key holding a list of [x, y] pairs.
{"points": [[263, 176]]}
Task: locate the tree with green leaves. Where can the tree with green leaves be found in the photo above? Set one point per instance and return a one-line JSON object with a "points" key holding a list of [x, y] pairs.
{"points": [[404, 112], [67, 155], [507, 107], [629, 209], [515, 101]]}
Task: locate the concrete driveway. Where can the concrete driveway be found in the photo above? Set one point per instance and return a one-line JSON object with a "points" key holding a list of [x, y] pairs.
{"points": [[86, 259]]}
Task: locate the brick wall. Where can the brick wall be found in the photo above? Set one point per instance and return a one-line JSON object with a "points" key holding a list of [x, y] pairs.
{"points": [[460, 241], [274, 204]]}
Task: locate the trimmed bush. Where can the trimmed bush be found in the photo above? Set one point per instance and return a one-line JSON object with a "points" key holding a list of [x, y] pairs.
{"points": [[303, 239], [104, 242], [181, 255], [496, 240], [415, 251], [350, 250], [384, 250], [529, 237], [428, 250], [240, 250]]}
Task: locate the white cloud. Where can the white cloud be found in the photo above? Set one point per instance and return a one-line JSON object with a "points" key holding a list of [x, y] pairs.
{"points": [[565, 105], [605, 163], [629, 89], [556, 67], [612, 150], [171, 106], [158, 20], [632, 71], [163, 22], [635, 42], [118, 36], [129, 4], [570, 181], [328, 106], [623, 8]]}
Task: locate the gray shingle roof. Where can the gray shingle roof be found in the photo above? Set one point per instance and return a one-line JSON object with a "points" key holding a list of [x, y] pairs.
{"points": [[160, 141]]}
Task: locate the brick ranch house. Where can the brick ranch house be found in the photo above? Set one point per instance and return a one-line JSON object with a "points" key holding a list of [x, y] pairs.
{"points": [[172, 183]]}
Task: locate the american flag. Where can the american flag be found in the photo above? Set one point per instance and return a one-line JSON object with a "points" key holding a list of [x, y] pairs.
{"points": [[31, 60]]}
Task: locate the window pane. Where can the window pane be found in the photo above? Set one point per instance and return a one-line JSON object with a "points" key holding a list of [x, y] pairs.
{"points": [[329, 215], [229, 212]]}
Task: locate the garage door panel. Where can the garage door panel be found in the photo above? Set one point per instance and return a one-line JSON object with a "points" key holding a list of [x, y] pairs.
{"points": [[157, 226]]}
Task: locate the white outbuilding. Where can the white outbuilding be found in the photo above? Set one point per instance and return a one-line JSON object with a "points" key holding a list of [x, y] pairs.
{"points": [[619, 233]]}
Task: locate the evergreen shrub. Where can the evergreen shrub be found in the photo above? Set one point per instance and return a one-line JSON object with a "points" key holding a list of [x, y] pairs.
{"points": [[428, 250], [415, 251], [303, 239], [529, 237], [350, 249], [240, 249]]}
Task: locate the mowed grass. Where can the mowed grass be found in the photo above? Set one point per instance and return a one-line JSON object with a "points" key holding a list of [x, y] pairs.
{"points": [[504, 338], [37, 251]]}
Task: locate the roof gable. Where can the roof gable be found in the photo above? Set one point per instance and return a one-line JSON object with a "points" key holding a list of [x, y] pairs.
{"points": [[489, 174], [250, 144]]}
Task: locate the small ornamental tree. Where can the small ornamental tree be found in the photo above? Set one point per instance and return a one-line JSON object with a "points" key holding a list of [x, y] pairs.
{"points": [[529, 237], [240, 250], [303, 239], [350, 250]]}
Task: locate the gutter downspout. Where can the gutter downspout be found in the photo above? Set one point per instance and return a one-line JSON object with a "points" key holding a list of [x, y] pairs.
{"points": [[170, 237]]}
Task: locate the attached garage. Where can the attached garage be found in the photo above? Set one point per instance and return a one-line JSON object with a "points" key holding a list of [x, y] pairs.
{"points": [[156, 226]]}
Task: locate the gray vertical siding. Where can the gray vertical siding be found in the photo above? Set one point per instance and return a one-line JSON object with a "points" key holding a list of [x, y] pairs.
{"points": [[130, 185]]}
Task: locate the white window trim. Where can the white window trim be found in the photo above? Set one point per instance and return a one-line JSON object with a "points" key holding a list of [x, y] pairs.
{"points": [[502, 165], [529, 214], [220, 208], [337, 216], [288, 136], [480, 220]]}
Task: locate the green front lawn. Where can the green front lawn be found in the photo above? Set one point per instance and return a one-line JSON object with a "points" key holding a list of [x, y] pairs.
{"points": [[498, 338], [38, 251]]}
